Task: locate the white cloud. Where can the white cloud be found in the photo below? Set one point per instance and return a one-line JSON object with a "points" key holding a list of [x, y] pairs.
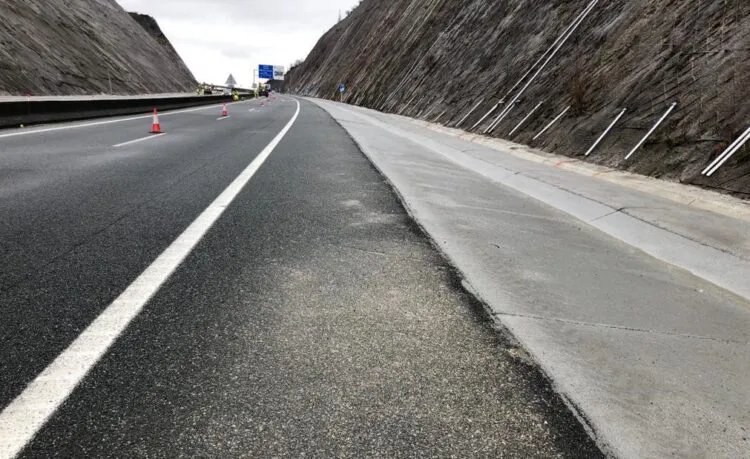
{"points": [[219, 37]]}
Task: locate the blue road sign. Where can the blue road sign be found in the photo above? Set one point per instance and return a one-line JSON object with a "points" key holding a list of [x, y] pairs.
{"points": [[342, 88], [265, 72]]}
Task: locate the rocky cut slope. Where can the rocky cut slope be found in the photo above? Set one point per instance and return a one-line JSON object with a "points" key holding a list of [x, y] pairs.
{"points": [[150, 25], [444, 59], [66, 47]]}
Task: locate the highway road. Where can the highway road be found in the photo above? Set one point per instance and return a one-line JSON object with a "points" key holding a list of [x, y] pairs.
{"points": [[242, 287]]}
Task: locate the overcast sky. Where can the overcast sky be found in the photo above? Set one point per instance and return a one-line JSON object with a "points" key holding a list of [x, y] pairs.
{"points": [[219, 37]]}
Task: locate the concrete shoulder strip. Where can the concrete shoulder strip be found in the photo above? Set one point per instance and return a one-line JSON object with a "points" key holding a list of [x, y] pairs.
{"points": [[721, 268]]}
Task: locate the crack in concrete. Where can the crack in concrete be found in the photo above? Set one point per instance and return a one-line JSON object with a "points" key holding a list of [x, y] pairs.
{"points": [[607, 215], [618, 327], [668, 230]]}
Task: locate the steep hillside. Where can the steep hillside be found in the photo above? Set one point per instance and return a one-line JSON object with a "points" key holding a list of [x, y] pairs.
{"points": [[439, 58], [63, 47], [150, 25]]}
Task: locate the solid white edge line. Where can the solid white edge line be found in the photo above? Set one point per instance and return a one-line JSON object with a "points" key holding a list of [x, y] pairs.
{"points": [[142, 139], [99, 123], [26, 414]]}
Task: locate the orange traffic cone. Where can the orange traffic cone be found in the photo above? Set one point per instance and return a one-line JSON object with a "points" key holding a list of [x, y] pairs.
{"points": [[224, 111], [155, 126]]}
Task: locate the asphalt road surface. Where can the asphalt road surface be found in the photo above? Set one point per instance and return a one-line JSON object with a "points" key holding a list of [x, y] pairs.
{"points": [[312, 318]]}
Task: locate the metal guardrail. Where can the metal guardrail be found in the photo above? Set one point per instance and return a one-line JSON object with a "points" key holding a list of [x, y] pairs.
{"points": [[14, 114]]}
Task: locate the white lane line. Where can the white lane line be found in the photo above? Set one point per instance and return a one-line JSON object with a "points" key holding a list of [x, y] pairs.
{"points": [[251, 110], [27, 413], [142, 139], [222, 118], [99, 123]]}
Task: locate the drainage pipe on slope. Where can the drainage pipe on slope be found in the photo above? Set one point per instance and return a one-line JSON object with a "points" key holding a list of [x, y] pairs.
{"points": [[531, 69], [498, 120], [729, 153], [551, 123], [518, 126], [612, 125], [469, 114], [653, 129], [492, 110], [729, 150], [579, 20]]}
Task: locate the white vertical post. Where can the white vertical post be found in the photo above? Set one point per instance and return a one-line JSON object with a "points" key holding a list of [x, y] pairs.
{"points": [[656, 126], [725, 152], [740, 144], [469, 114], [598, 141], [552, 123], [518, 126]]}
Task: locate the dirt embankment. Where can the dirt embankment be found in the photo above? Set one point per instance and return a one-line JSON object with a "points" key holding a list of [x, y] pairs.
{"points": [[68, 47], [438, 58]]}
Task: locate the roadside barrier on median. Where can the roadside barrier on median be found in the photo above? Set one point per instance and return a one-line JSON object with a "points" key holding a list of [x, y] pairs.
{"points": [[14, 114]]}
